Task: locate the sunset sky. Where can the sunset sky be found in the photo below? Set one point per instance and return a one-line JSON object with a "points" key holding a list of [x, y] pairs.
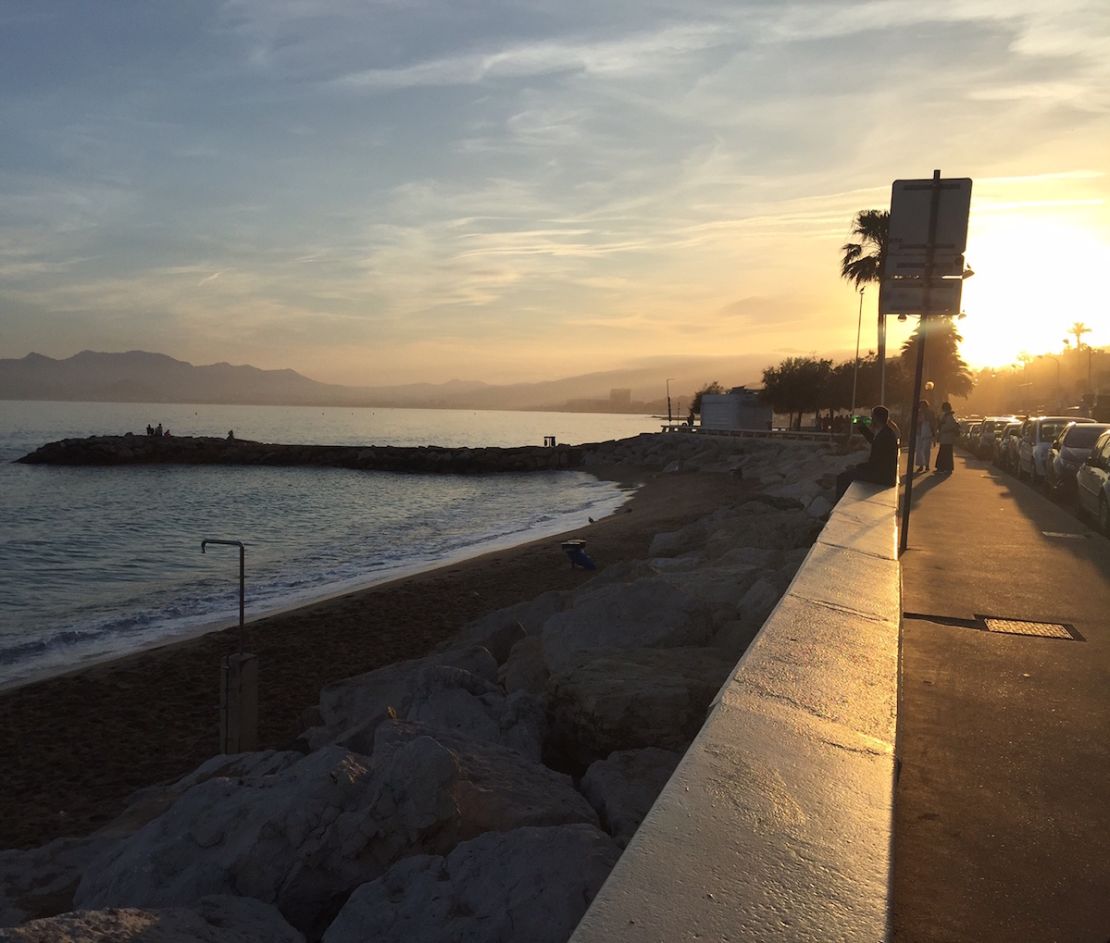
{"points": [[379, 192]]}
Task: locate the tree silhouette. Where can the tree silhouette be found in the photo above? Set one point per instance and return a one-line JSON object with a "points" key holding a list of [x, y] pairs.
{"points": [[797, 385], [862, 261], [943, 363], [1078, 329]]}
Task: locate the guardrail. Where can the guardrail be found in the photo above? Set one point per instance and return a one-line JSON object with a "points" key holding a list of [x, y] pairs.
{"points": [[777, 823], [754, 433]]}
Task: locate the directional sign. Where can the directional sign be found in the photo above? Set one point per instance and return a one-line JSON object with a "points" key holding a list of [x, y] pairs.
{"points": [[916, 263], [910, 203], [907, 296]]}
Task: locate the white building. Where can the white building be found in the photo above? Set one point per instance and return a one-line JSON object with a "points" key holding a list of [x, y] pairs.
{"points": [[739, 408]]}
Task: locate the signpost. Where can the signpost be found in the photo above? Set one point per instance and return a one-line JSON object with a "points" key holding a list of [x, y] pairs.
{"points": [[922, 296], [923, 275]]}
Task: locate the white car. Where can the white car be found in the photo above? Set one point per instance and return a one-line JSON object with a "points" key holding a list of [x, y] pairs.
{"points": [[1092, 483], [1036, 442]]}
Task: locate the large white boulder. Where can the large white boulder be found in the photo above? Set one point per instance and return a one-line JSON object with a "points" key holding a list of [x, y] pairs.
{"points": [[368, 698], [530, 885], [525, 669], [650, 612], [491, 629], [39, 882], [459, 701], [306, 836], [622, 700], [216, 919], [623, 787]]}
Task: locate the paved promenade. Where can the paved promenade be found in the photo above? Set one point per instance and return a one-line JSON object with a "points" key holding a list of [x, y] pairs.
{"points": [[1002, 808]]}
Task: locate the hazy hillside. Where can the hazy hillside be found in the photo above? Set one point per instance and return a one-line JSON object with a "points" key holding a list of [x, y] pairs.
{"points": [[138, 376]]}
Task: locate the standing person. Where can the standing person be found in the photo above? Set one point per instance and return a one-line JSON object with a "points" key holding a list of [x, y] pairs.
{"points": [[881, 467], [948, 434], [926, 432]]}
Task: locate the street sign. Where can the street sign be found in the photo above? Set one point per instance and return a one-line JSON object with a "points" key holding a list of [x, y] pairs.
{"points": [[907, 296], [915, 263], [910, 202]]}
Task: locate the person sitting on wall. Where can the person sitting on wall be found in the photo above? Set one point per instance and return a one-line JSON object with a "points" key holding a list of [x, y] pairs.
{"points": [[881, 467]]}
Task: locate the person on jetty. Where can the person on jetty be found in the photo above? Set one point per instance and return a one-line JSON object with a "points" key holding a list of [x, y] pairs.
{"points": [[881, 467], [158, 429]]}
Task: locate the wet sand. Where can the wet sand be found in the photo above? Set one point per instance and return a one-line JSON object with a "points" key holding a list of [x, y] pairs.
{"points": [[74, 747]]}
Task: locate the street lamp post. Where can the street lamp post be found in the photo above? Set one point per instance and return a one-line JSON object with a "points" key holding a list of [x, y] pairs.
{"points": [[669, 418], [855, 375]]}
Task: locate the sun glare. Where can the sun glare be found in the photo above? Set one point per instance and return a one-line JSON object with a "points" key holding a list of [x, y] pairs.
{"points": [[1034, 277]]}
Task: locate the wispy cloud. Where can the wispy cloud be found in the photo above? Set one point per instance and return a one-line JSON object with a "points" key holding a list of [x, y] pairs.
{"points": [[627, 56]]}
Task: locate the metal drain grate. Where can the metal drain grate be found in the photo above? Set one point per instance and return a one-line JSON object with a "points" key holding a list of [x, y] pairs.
{"points": [[1041, 629], [1005, 626]]}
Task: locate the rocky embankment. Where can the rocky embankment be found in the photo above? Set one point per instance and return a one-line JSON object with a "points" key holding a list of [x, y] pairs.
{"points": [[190, 450], [480, 793]]}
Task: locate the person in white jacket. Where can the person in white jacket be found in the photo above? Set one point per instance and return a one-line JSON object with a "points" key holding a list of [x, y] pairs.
{"points": [[926, 433]]}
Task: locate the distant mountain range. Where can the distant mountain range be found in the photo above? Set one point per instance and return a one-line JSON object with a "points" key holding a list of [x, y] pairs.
{"points": [[140, 377]]}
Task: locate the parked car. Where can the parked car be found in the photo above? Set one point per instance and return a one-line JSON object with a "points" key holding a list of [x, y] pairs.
{"points": [[965, 426], [1036, 441], [970, 435], [989, 434], [1092, 483], [1005, 455], [1069, 449]]}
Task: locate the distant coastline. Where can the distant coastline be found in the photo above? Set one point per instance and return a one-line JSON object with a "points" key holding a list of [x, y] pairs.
{"points": [[143, 377]]}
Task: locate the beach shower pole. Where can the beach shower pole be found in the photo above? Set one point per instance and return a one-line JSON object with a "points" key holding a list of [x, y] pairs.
{"points": [[242, 579], [238, 678]]}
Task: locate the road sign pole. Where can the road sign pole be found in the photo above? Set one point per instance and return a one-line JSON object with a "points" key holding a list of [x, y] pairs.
{"points": [[911, 455]]}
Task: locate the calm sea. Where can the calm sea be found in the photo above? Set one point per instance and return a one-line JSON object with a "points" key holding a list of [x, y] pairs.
{"points": [[96, 562]]}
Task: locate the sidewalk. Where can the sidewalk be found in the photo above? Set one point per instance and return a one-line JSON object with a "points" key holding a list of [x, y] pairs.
{"points": [[1002, 808]]}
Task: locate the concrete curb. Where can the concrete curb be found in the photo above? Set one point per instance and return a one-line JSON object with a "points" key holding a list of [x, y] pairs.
{"points": [[777, 824]]}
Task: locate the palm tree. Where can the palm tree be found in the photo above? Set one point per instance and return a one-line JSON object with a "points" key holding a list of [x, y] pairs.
{"points": [[1079, 329], [862, 262], [943, 363]]}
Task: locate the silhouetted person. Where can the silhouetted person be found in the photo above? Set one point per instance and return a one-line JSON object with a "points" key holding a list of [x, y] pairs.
{"points": [[158, 429], [149, 429], [230, 435], [881, 467], [948, 434]]}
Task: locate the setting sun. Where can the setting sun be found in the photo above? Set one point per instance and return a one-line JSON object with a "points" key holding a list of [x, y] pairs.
{"points": [[1037, 270]]}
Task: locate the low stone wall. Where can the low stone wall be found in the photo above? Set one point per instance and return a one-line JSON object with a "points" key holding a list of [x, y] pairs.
{"points": [[777, 823]]}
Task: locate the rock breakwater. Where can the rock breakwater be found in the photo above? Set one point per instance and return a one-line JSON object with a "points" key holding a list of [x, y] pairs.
{"points": [[483, 791], [190, 450]]}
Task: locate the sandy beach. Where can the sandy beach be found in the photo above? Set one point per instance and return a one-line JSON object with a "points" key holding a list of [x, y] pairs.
{"points": [[74, 747]]}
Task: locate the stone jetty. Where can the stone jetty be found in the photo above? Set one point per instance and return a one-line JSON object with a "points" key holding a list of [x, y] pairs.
{"points": [[204, 450]]}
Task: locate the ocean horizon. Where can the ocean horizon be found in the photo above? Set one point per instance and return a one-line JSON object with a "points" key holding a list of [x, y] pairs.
{"points": [[96, 563]]}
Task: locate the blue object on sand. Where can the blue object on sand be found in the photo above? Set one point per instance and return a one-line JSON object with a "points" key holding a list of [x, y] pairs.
{"points": [[576, 553], [579, 557]]}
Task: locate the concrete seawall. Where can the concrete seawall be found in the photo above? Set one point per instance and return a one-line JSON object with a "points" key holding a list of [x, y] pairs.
{"points": [[777, 823]]}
